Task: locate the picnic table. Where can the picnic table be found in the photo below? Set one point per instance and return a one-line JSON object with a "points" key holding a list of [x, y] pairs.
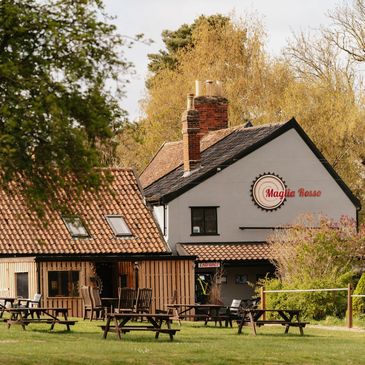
{"points": [[155, 320], [24, 316], [256, 317], [3, 304], [208, 312]]}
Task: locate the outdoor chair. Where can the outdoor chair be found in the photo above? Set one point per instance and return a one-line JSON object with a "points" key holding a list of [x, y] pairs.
{"points": [[231, 312], [126, 299], [97, 304], [89, 304], [30, 303], [143, 301]]}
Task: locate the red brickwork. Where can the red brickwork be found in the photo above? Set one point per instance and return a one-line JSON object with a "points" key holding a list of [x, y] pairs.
{"points": [[191, 139], [213, 113]]}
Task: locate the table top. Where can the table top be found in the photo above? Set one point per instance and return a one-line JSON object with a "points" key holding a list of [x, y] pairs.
{"points": [[9, 298], [272, 310], [139, 315], [35, 309], [196, 305]]}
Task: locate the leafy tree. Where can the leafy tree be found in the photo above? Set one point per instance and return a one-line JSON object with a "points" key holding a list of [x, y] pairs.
{"points": [[57, 110], [312, 82], [311, 258], [178, 40]]}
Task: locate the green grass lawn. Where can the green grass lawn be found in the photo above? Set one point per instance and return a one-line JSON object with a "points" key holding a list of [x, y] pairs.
{"points": [[194, 344]]}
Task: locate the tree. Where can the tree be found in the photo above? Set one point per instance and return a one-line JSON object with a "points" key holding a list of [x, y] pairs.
{"points": [[347, 30], [178, 40], [326, 256], [57, 112], [313, 82]]}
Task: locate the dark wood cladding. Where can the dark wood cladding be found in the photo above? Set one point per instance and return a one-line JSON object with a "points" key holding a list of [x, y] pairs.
{"points": [[162, 276]]}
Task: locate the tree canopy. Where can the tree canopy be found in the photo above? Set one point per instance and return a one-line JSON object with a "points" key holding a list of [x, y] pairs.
{"points": [[57, 107], [311, 81]]}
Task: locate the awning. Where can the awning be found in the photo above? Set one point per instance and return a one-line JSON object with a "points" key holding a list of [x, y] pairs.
{"points": [[238, 251]]}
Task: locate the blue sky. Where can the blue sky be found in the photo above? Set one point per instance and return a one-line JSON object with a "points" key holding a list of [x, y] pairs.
{"points": [[151, 17]]}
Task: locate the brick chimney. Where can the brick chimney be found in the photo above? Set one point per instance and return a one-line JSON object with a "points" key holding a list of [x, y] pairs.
{"points": [[211, 105], [191, 136]]}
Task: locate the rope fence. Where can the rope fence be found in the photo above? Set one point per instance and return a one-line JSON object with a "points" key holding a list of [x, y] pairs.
{"points": [[349, 312]]}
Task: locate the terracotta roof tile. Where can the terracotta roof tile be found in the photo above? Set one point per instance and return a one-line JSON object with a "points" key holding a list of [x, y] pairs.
{"points": [[170, 156], [22, 232], [226, 251]]}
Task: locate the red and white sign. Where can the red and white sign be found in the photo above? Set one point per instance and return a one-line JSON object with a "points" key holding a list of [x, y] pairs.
{"points": [[207, 265], [269, 192]]}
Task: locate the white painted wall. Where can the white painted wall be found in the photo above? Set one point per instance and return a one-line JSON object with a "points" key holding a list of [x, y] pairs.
{"points": [[287, 156]]}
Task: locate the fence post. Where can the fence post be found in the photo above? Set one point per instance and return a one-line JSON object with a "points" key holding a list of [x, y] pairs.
{"points": [[263, 300], [349, 306]]}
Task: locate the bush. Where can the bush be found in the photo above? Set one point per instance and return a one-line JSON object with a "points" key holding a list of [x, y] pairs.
{"points": [[358, 304], [314, 258]]}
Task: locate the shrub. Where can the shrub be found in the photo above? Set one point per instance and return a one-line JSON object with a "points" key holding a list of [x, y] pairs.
{"points": [[358, 304], [313, 258]]}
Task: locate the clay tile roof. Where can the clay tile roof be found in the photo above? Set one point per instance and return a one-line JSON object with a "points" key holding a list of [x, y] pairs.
{"points": [[226, 251], [23, 233], [169, 156]]}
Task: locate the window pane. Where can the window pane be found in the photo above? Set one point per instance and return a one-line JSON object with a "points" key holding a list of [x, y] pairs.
{"points": [[197, 220], [211, 220], [118, 225], [75, 227], [63, 283]]}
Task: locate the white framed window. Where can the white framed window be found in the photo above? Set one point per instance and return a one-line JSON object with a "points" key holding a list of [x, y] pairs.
{"points": [[118, 225], [75, 227]]}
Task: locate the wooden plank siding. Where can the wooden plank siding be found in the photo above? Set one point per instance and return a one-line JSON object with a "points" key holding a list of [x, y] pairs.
{"points": [[166, 276], [162, 276], [9, 267], [74, 304]]}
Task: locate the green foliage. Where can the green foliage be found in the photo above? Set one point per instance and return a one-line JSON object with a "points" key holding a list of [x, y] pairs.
{"points": [[56, 112], [315, 258], [358, 303], [178, 40]]}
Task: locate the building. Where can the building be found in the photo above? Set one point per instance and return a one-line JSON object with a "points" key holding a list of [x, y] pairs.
{"points": [[220, 192], [110, 239]]}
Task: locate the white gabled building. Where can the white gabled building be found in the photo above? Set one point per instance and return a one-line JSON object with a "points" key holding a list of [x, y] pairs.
{"points": [[221, 191]]}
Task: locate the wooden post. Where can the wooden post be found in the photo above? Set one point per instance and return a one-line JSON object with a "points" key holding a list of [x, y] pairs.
{"points": [[349, 306], [263, 300]]}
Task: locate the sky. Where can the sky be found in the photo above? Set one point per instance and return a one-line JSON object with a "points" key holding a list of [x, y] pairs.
{"points": [[280, 18]]}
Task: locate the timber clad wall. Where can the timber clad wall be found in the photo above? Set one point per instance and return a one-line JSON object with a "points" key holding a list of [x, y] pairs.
{"points": [[9, 267], [75, 304], [165, 276], [162, 276]]}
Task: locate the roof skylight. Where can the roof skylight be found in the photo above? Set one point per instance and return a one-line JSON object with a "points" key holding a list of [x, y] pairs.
{"points": [[75, 227], [118, 225]]}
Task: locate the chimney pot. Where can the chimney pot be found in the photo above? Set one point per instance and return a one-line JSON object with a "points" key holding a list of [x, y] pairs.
{"points": [[209, 87], [190, 102], [198, 88]]}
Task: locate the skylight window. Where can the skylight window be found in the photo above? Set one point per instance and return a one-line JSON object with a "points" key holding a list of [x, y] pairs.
{"points": [[118, 225], [75, 227]]}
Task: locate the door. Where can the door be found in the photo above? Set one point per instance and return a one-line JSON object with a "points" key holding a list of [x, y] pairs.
{"points": [[22, 287]]}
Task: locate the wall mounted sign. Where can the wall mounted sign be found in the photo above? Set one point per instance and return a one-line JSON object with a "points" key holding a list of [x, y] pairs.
{"points": [[269, 192], [206, 265]]}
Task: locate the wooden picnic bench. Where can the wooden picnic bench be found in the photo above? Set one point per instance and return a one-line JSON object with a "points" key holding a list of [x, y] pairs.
{"points": [[205, 312], [26, 316], [4, 305], [256, 317], [155, 320]]}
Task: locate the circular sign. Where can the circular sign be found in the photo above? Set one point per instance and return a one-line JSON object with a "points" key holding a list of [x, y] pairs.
{"points": [[268, 191]]}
